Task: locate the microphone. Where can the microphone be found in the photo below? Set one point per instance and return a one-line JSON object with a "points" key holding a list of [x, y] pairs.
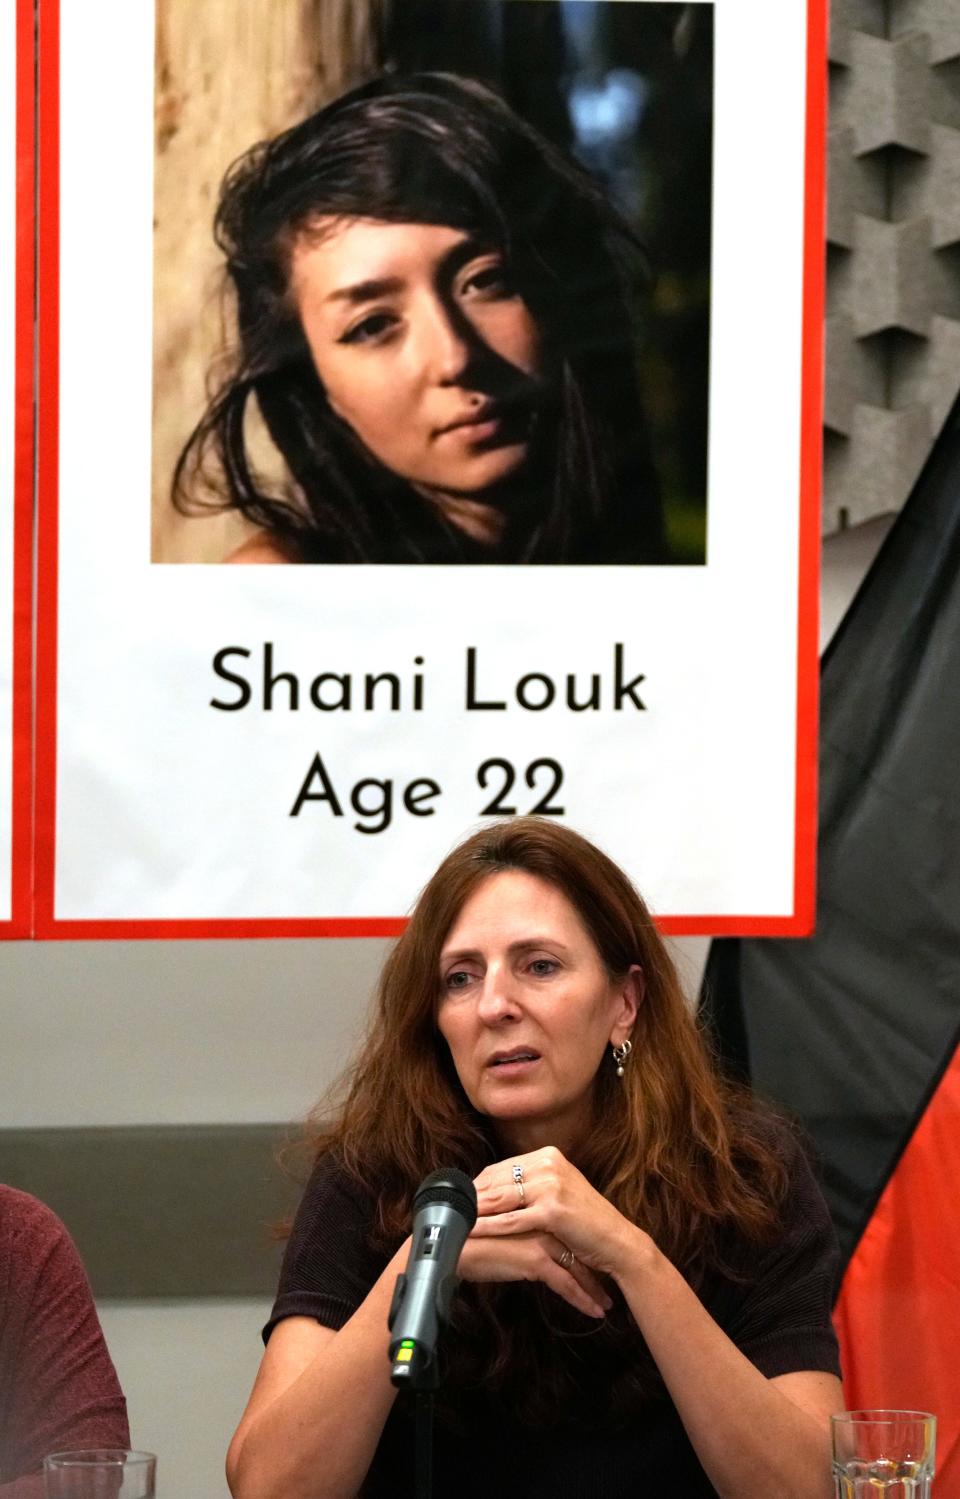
{"points": [[444, 1212]]}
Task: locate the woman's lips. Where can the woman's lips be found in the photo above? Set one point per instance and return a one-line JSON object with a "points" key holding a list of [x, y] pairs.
{"points": [[512, 1066], [475, 428]]}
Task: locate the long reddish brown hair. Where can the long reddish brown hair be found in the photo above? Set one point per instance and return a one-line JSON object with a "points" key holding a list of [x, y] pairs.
{"points": [[677, 1148]]}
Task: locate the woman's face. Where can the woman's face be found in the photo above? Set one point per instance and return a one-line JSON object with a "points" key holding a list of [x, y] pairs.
{"points": [[424, 348], [528, 1010]]}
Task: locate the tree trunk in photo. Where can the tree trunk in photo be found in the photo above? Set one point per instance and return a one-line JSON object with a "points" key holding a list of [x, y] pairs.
{"points": [[227, 76]]}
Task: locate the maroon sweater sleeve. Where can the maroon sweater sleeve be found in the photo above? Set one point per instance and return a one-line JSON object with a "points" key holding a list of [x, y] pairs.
{"points": [[58, 1386]]}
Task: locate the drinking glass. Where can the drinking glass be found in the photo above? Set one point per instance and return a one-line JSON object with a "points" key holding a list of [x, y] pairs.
{"points": [[883, 1452], [100, 1473]]}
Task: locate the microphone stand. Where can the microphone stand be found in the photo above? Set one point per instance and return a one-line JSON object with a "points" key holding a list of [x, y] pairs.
{"points": [[423, 1446], [421, 1381]]}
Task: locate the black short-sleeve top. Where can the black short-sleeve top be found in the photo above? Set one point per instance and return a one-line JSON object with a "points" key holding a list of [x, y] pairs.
{"points": [[779, 1318]]}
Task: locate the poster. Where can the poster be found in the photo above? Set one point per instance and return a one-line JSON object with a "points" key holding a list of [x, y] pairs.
{"points": [[538, 433], [16, 462]]}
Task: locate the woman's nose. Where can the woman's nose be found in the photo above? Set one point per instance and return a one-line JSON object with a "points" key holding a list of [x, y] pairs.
{"points": [[446, 346], [497, 998]]}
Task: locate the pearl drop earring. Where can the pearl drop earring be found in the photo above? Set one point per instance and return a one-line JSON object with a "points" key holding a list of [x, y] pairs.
{"points": [[620, 1054]]}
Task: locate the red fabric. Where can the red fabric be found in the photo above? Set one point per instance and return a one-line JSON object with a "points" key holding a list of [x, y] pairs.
{"points": [[58, 1387], [898, 1315]]}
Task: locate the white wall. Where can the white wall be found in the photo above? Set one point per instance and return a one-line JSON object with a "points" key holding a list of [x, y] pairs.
{"points": [[186, 1369], [186, 1032]]}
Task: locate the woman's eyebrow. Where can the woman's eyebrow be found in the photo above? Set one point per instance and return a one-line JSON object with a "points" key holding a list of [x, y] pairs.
{"points": [[468, 249], [530, 944], [527, 944], [366, 291], [459, 955], [384, 286]]}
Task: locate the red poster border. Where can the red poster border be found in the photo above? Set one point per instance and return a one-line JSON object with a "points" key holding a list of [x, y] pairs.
{"points": [[800, 923], [21, 781]]}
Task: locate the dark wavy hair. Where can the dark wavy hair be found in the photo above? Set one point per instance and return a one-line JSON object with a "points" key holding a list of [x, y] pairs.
{"points": [[676, 1147], [437, 149]]}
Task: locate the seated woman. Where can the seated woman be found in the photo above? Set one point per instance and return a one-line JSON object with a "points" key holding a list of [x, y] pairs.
{"points": [[645, 1306], [58, 1387], [432, 309]]}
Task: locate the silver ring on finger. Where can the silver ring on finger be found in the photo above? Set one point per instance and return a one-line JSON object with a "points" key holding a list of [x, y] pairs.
{"points": [[567, 1259], [518, 1183]]}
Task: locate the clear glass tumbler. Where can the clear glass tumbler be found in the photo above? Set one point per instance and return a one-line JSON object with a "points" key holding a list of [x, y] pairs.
{"points": [[883, 1452], [100, 1473]]}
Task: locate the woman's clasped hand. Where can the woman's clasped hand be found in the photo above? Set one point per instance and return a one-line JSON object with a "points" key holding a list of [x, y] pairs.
{"points": [[560, 1202], [563, 1233]]}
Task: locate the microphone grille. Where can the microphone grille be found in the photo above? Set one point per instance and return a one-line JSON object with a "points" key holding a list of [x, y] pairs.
{"points": [[449, 1185]]}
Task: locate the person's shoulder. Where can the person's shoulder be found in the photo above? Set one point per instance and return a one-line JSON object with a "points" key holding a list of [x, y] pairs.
{"points": [[789, 1141], [779, 1160], [802, 1209], [23, 1215], [757, 1119], [262, 548], [335, 1215], [35, 1246], [332, 1179]]}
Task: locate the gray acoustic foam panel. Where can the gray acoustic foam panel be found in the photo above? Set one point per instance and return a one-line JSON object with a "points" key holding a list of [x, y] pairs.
{"points": [[165, 1210], [893, 249]]}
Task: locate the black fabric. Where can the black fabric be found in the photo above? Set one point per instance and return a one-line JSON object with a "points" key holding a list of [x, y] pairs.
{"points": [[851, 1029], [780, 1320]]}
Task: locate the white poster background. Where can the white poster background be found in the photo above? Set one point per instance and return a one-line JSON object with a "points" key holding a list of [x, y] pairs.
{"points": [[8, 243], [169, 809]]}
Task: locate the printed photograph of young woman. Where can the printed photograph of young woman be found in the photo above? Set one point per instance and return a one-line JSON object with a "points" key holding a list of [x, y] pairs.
{"points": [[447, 328]]}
